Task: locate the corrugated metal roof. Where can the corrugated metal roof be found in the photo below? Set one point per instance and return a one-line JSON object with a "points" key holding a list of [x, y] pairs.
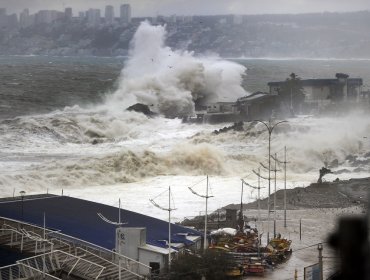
{"points": [[78, 218]]}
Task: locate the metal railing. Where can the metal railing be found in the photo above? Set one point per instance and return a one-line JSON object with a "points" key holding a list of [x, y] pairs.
{"points": [[57, 261], [22, 237], [54, 237], [19, 271], [117, 266], [130, 264]]}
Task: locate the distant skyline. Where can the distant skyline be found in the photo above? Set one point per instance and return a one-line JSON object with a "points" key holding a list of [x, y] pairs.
{"points": [[142, 8]]}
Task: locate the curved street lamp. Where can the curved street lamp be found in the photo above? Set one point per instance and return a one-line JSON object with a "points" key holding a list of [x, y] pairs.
{"points": [[270, 127]]}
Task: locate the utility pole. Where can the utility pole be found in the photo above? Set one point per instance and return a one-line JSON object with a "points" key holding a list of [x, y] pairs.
{"points": [[259, 197], [320, 248], [275, 199], [268, 204], [285, 163], [274, 170], [169, 209], [241, 217], [270, 127], [118, 225], [205, 216], [256, 188], [22, 193], [258, 202]]}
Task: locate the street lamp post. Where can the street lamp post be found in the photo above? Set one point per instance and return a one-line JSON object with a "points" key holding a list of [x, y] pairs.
{"points": [[22, 193], [270, 127]]}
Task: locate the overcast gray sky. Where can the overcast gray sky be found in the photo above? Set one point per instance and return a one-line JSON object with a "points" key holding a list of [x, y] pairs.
{"points": [[194, 7]]}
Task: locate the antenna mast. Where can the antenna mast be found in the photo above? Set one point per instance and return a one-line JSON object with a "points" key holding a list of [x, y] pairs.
{"points": [[117, 224], [169, 209], [205, 216]]}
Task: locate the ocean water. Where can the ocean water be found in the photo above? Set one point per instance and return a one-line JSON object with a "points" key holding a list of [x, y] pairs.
{"points": [[63, 126]]}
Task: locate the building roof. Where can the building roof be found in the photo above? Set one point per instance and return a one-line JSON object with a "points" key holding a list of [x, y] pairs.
{"points": [[256, 96], [163, 251], [78, 218], [321, 82]]}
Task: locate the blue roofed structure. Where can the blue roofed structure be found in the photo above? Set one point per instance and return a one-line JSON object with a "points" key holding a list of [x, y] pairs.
{"points": [[78, 218]]}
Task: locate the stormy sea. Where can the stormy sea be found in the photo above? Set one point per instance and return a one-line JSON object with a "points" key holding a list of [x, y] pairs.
{"points": [[64, 127]]}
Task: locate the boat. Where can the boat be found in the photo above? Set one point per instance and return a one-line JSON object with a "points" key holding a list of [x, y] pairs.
{"points": [[255, 266]]}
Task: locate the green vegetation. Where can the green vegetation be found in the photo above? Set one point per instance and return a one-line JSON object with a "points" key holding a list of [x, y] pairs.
{"points": [[211, 265]]}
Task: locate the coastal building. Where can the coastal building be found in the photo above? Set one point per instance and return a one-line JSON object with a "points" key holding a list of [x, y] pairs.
{"points": [[93, 17], [25, 19], [48, 16], [258, 105], [109, 14], [221, 112], [221, 107], [141, 238], [125, 13], [8, 21], [68, 13], [321, 92]]}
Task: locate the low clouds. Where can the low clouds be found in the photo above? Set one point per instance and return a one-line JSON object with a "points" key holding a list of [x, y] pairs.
{"points": [[194, 7]]}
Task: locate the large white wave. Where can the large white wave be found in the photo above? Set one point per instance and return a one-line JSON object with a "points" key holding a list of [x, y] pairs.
{"points": [[171, 80], [153, 147]]}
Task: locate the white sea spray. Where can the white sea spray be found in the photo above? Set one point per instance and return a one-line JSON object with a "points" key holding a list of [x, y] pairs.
{"points": [[170, 81]]}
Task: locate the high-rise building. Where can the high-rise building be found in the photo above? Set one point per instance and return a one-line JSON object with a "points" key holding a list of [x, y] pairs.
{"points": [[3, 17], [68, 13], [12, 21], [125, 13], [81, 15], [24, 19], [109, 14], [93, 17], [48, 16], [8, 21]]}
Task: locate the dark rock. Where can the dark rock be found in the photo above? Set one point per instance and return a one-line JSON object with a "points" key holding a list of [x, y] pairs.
{"points": [[351, 158], [334, 163], [141, 108], [238, 126]]}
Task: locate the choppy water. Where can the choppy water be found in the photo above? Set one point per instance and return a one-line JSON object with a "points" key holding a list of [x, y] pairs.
{"points": [[51, 115], [41, 84]]}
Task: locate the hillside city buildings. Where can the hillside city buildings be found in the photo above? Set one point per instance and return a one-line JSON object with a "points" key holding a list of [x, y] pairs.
{"points": [[93, 17], [108, 32]]}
